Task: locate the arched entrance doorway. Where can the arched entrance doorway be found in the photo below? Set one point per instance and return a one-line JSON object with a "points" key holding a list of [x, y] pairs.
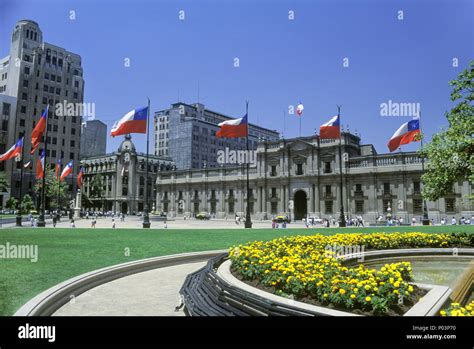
{"points": [[124, 208], [301, 204]]}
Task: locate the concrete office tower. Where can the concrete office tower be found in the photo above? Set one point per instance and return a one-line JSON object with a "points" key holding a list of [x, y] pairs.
{"points": [[187, 134], [93, 139], [7, 113], [38, 73]]}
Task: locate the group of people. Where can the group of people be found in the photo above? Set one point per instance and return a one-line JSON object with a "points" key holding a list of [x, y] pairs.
{"points": [[461, 221]]}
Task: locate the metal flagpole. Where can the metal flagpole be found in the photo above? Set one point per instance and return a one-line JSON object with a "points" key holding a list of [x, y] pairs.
{"points": [[248, 219], [41, 219], [343, 218], [300, 123], [146, 218], [426, 220], [18, 216], [58, 214]]}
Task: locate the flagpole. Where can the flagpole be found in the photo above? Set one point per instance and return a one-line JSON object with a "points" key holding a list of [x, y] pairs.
{"points": [[41, 220], [343, 218], [71, 213], [248, 218], [426, 220], [146, 218], [300, 123], [18, 216], [58, 213]]}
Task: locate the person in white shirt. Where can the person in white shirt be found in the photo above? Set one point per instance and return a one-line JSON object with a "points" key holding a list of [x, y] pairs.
{"points": [[453, 221]]}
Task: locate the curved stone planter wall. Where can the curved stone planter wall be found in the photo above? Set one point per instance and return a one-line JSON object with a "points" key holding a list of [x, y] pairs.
{"points": [[213, 290], [47, 302]]}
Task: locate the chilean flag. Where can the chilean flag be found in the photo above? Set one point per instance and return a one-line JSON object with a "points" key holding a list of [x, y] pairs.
{"points": [[40, 166], [330, 129], [14, 151], [407, 133], [299, 109], [233, 128], [58, 168], [66, 171], [80, 178], [133, 122], [39, 130]]}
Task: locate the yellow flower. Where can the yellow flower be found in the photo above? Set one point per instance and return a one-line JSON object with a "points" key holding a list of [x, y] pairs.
{"points": [[353, 296], [368, 299], [342, 291]]}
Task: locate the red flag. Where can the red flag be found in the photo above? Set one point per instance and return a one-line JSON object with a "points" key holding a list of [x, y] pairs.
{"points": [[39, 130]]}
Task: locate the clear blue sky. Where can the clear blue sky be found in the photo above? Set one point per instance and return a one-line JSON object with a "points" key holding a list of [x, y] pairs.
{"points": [[282, 62]]}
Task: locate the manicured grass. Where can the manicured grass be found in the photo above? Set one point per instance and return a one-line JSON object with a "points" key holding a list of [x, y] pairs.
{"points": [[65, 253]]}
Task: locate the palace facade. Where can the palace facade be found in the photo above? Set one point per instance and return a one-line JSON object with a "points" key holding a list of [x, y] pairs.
{"points": [[300, 177]]}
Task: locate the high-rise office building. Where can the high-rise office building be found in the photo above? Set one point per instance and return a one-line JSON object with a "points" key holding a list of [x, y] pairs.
{"points": [[37, 74], [93, 139], [187, 134]]}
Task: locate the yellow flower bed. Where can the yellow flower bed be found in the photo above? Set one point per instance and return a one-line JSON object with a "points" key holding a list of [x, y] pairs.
{"points": [[302, 266], [455, 309]]}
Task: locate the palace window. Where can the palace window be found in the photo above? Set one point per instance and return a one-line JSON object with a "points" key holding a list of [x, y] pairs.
{"points": [[299, 169], [274, 207], [386, 188], [327, 167], [328, 207], [450, 205], [359, 206], [273, 172], [386, 204], [417, 206], [416, 187]]}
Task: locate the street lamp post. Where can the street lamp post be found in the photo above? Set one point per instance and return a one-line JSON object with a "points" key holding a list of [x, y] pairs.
{"points": [[342, 222]]}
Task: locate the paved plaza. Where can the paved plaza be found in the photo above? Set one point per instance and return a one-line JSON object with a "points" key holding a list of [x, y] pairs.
{"points": [[150, 293], [131, 222]]}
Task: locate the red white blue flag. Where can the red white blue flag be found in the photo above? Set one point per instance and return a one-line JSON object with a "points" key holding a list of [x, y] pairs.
{"points": [[14, 151], [58, 168], [407, 133], [132, 122], [39, 130], [80, 178], [66, 171], [40, 166], [233, 128], [331, 129], [299, 109]]}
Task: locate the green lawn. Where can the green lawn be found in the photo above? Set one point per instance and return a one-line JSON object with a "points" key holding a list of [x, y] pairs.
{"points": [[64, 253]]}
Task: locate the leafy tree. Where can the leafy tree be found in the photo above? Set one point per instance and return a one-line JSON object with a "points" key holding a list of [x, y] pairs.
{"points": [[27, 203], [51, 191], [97, 189], [11, 203], [450, 152], [4, 185], [86, 201]]}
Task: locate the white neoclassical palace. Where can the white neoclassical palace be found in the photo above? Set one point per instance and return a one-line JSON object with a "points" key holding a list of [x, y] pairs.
{"points": [[299, 177]]}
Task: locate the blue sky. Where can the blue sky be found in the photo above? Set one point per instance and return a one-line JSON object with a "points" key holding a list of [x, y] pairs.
{"points": [[282, 62]]}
